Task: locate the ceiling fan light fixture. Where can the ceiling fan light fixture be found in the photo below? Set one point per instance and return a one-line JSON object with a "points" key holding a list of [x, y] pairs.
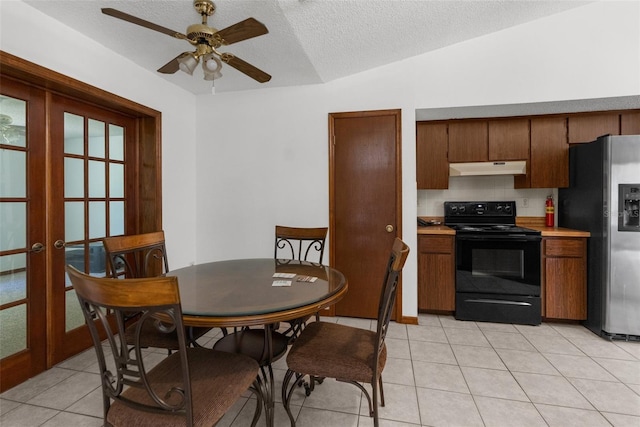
{"points": [[188, 63], [211, 66], [212, 63]]}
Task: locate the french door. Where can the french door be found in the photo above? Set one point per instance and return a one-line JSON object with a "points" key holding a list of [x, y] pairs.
{"points": [[22, 233], [89, 149], [67, 179]]}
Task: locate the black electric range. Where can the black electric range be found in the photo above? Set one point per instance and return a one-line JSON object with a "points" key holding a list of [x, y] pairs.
{"points": [[497, 263]]}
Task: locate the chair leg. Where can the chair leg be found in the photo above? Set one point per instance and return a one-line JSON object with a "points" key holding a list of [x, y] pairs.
{"points": [[374, 385], [190, 339], [286, 394], [257, 389], [311, 385], [381, 391]]}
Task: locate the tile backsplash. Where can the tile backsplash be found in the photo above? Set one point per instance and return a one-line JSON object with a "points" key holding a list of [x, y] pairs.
{"points": [[529, 201]]}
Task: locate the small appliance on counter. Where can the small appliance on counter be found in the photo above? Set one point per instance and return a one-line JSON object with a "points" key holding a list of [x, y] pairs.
{"points": [[603, 198], [497, 263]]}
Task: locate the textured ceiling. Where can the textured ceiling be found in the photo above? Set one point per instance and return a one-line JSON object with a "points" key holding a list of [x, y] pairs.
{"points": [[309, 41]]}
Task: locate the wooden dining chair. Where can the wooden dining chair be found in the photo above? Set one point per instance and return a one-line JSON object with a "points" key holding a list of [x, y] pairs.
{"points": [[142, 256], [192, 386], [349, 354], [303, 244]]}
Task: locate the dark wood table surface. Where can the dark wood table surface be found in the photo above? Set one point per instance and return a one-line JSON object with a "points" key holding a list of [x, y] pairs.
{"points": [[241, 292]]}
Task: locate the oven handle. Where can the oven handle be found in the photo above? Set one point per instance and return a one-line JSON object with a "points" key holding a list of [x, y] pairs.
{"points": [[511, 238], [498, 301]]}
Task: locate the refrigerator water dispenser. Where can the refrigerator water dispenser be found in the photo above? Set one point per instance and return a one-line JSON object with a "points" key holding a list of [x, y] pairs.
{"points": [[629, 213]]}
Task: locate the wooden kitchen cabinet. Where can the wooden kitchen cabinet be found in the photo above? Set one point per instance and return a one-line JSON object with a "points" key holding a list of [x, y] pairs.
{"points": [[488, 140], [630, 123], [564, 264], [432, 167], [468, 141], [588, 127], [436, 273], [542, 140], [549, 160], [508, 139]]}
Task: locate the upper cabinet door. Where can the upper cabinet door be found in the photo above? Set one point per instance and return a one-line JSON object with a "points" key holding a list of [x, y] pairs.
{"points": [[468, 141], [630, 123], [432, 168], [588, 127], [509, 139], [549, 152]]}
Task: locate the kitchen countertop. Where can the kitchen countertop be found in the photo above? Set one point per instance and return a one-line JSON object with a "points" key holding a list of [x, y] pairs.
{"points": [[436, 229], [560, 232], [534, 223]]}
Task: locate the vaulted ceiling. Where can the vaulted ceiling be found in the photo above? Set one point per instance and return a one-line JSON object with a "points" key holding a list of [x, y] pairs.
{"points": [[309, 41]]}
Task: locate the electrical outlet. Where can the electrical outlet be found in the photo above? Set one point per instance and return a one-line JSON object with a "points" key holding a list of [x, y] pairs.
{"points": [[525, 202]]}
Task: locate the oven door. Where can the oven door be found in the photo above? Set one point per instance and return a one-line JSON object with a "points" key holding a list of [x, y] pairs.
{"points": [[504, 265], [498, 279]]}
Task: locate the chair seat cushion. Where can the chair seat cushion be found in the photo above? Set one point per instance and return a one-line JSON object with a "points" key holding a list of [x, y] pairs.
{"points": [[251, 342], [151, 336], [336, 351], [218, 379]]}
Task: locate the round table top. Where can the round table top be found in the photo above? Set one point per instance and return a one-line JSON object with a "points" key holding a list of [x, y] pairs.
{"points": [[242, 292]]}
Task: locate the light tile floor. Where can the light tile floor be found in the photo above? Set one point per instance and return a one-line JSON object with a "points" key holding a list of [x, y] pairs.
{"points": [[442, 372]]}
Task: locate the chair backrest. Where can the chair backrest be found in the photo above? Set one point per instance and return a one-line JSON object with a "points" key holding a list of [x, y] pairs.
{"points": [[137, 256], [397, 258], [298, 243], [105, 303]]}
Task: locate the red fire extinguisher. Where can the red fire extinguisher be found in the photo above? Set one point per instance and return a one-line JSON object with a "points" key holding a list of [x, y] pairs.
{"points": [[550, 222]]}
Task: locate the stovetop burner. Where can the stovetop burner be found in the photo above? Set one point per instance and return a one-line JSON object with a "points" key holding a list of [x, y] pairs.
{"points": [[491, 218]]}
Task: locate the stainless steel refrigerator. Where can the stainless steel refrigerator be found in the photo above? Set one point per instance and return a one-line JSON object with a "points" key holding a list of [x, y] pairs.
{"points": [[603, 198]]}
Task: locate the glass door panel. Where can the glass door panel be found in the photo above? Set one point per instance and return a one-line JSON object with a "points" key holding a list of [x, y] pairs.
{"points": [[13, 296], [13, 233]]}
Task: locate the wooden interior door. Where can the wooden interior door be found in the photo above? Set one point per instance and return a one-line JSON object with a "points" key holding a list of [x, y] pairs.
{"points": [[365, 204], [23, 253]]}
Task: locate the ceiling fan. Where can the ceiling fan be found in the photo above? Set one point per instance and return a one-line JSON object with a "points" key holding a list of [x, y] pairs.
{"points": [[206, 41]]}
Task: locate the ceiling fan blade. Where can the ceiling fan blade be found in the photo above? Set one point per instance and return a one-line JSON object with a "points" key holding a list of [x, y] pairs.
{"points": [[173, 65], [243, 30], [135, 20], [246, 68]]}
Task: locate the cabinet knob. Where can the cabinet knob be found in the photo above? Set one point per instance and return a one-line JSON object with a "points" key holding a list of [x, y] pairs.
{"points": [[389, 228]]}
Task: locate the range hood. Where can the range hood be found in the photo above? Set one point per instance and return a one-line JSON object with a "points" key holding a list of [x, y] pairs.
{"points": [[488, 168]]}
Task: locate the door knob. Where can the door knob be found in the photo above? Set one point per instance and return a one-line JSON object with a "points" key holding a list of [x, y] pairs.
{"points": [[37, 248], [59, 244], [389, 228]]}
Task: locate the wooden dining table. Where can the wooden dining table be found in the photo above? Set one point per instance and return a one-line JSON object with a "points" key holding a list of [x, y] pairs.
{"points": [[256, 291]]}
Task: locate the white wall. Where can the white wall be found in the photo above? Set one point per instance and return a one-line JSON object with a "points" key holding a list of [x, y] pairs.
{"points": [[262, 155], [61, 49]]}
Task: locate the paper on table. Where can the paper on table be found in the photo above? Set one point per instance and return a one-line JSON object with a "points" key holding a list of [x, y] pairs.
{"points": [[281, 283], [310, 279], [285, 275]]}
